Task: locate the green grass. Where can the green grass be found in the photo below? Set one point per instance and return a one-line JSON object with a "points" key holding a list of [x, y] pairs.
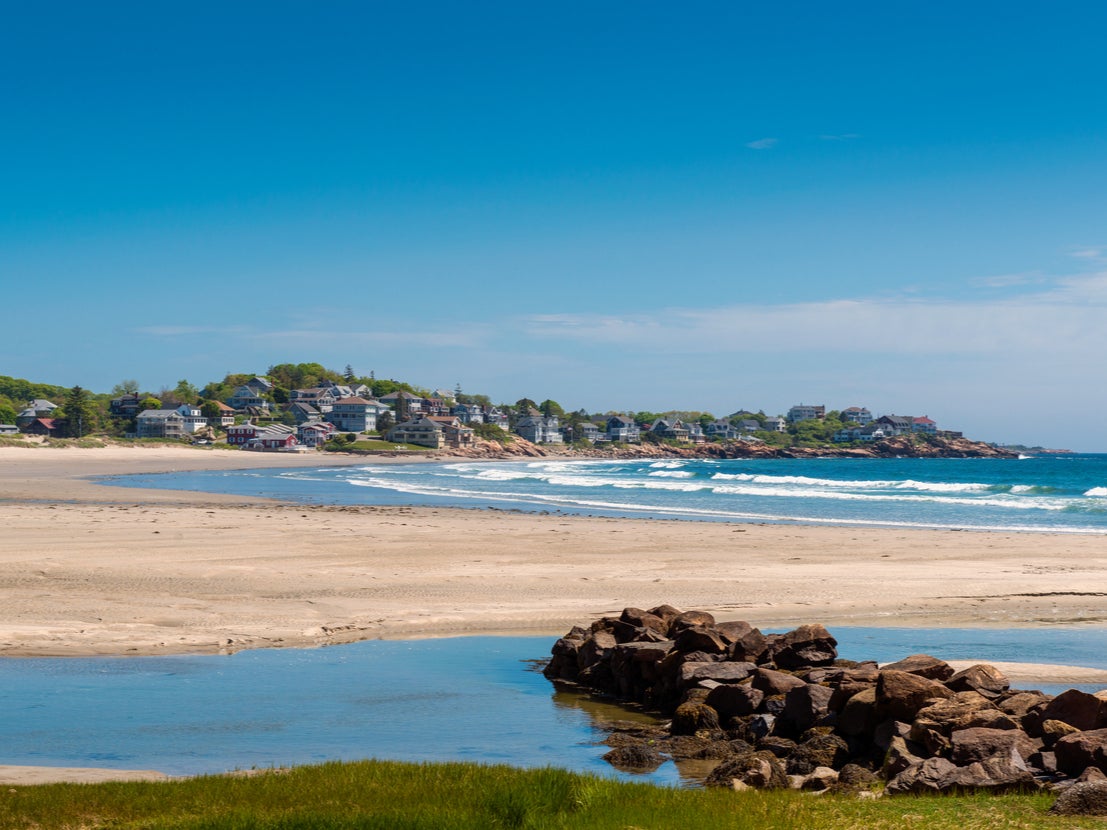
{"points": [[394, 796], [374, 445]]}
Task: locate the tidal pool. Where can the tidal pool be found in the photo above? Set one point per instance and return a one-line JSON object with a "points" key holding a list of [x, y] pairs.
{"points": [[463, 699]]}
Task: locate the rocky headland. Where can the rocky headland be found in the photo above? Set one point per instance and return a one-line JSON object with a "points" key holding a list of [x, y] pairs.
{"points": [[896, 447], [781, 710]]}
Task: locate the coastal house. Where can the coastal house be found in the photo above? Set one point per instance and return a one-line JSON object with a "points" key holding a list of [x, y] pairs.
{"points": [[239, 434], [260, 385], [896, 424], [924, 425], [320, 398], [315, 433], [857, 415], [872, 431], [496, 416], [454, 433], [9, 429], [468, 413], [194, 420], [405, 404], [722, 430], [245, 399], [422, 432], [356, 414], [226, 414], [775, 423], [46, 427], [304, 412], [125, 406], [695, 432], [674, 430], [804, 412], [160, 423], [38, 408], [539, 429], [623, 428], [273, 438]]}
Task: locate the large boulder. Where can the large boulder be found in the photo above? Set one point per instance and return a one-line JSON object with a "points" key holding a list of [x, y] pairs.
{"points": [[775, 682], [935, 723], [1078, 709], [805, 706], [757, 769], [692, 674], [858, 716], [690, 619], [634, 757], [978, 743], [699, 638], [900, 695], [808, 645], [690, 718], [730, 700], [1086, 798], [1080, 750], [924, 666], [987, 680], [900, 756], [934, 775], [1002, 772], [819, 751], [638, 618]]}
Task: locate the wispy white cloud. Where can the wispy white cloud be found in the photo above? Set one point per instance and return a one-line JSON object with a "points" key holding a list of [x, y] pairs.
{"points": [[763, 143], [1093, 253], [180, 330], [1011, 280], [1064, 321]]}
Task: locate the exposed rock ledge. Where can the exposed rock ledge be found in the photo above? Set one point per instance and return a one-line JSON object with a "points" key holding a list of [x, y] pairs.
{"points": [[899, 447]]}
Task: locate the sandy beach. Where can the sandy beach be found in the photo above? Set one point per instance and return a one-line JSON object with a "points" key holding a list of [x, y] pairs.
{"points": [[89, 569], [92, 569]]}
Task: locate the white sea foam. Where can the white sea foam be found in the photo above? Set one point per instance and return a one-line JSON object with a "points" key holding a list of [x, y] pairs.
{"points": [[908, 484], [1096, 491], [673, 474], [667, 465]]}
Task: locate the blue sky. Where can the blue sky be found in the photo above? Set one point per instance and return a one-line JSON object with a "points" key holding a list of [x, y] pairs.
{"points": [[618, 206]]}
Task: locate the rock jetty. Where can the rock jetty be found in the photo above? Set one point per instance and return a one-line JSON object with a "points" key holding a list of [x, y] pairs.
{"points": [[781, 710]]}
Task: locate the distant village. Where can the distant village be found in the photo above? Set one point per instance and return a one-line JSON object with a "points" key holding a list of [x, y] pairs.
{"points": [[310, 418]]}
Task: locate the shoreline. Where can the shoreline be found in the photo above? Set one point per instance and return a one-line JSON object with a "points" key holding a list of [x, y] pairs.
{"points": [[90, 569], [93, 570]]}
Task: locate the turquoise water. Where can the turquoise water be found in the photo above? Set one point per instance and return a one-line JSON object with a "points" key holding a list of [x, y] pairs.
{"points": [[1065, 493], [469, 699]]}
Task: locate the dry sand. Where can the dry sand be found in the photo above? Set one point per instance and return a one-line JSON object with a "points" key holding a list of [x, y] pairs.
{"points": [[88, 569]]}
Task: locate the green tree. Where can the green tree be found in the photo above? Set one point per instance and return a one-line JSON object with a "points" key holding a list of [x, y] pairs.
{"points": [[551, 409], [185, 392], [349, 375], [211, 411], [149, 402], [80, 413], [385, 422], [125, 387], [7, 414]]}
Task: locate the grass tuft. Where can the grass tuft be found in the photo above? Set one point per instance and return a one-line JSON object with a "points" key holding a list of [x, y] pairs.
{"points": [[369, 795]]}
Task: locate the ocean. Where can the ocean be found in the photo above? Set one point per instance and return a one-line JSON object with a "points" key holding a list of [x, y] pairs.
{"points": [[1048, 493]]}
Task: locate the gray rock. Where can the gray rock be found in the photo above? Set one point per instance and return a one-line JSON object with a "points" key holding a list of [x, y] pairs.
{"points": [[1084, 799], [924, 666]]}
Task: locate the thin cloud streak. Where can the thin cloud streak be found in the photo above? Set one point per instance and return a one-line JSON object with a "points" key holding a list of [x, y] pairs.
{"points": [[1063, 322], [763, 143]]}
